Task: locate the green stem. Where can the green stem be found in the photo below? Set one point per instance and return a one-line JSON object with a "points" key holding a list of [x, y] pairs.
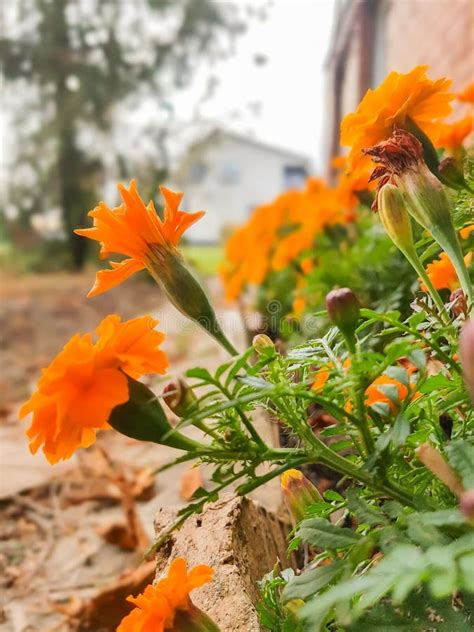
{"points": [[358, 394], [415, 262], [362, 424], [350, 340], [247, 423], [261, 480], [344, 466], [203, 427], [464, 278], [417, 334]]}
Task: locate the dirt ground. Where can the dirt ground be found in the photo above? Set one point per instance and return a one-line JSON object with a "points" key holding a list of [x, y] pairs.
{"points": [[70, 532]]}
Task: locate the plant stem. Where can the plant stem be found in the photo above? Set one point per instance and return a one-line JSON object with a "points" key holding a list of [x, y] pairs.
{"points": [[344, 466], [247, 423], [416, 264], [417, 334]]}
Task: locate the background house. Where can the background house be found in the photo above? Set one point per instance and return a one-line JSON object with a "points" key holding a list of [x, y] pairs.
{"points": [[372, 37], [228, 175]]}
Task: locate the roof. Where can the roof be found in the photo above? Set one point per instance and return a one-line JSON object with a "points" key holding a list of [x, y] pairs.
{"points": [[249, 140]]}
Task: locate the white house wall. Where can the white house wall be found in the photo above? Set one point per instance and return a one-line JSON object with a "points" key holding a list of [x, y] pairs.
{"points": [[228, 204]]}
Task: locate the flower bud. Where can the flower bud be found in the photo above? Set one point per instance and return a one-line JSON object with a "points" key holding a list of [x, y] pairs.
{"points": [[396, 221], [192, 620], [186, 294], [466, 353], [179, 398], [451, 175], [428, 204], [263, 344], [299, 493], [343, 309], [466, 505], [143, 418], [400, 161], [394, 217], [436, 463]]}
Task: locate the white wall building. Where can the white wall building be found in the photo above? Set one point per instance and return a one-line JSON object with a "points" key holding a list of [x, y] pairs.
{"points": [[228, 175]]}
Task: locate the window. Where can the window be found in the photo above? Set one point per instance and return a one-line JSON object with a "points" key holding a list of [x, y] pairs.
{"points": [[294, 176], [197, 172], [229, 173]]}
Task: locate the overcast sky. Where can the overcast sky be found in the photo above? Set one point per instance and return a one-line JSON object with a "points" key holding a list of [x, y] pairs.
{"points": [[289, 86]]}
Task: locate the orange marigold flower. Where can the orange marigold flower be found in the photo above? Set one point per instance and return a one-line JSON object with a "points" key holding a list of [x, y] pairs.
{"points": [[339, 162], [299, 304], [452, 135], [307, 264], [137, 231], [466, 231], [278, 233], [442, 273], [78, 390], [322, 375], [466, 95], [397, 98], [157, 606], [374, 395], [321, 378]]}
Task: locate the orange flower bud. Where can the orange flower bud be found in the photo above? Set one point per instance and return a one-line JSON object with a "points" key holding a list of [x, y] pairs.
{"points": [[299, 493]]}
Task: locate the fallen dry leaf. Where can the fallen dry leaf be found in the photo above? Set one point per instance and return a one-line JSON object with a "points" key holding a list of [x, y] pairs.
{"points": [[190, 482], [71, 607], [143, 485], [118, 534], [107, 609]]}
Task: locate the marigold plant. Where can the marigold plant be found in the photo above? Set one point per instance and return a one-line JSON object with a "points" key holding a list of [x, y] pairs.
{"points": [[371, 392]]}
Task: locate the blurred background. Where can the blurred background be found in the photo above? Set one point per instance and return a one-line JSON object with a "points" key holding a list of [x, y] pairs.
{"points": [[232, 103]]}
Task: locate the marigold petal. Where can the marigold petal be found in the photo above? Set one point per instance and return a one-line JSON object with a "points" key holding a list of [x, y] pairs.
{"points": [[108, 279]]}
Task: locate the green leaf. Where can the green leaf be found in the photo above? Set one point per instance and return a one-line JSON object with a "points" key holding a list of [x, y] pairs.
{"points": [[363, 511], [400, 430], [390, 391], [222, 369], [436, 382], [331, 494], [311, 581], [442, 568], [398, 373], [395, 350], [466, 571], [255, 382], [316, 610], [442, 518], [240, 364], [323, 534], [461, 457], [418, 358], [200, 374]]}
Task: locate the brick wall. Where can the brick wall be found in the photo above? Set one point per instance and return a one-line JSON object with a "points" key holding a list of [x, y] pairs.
{"points": [[439, 33], [373, 37]]}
